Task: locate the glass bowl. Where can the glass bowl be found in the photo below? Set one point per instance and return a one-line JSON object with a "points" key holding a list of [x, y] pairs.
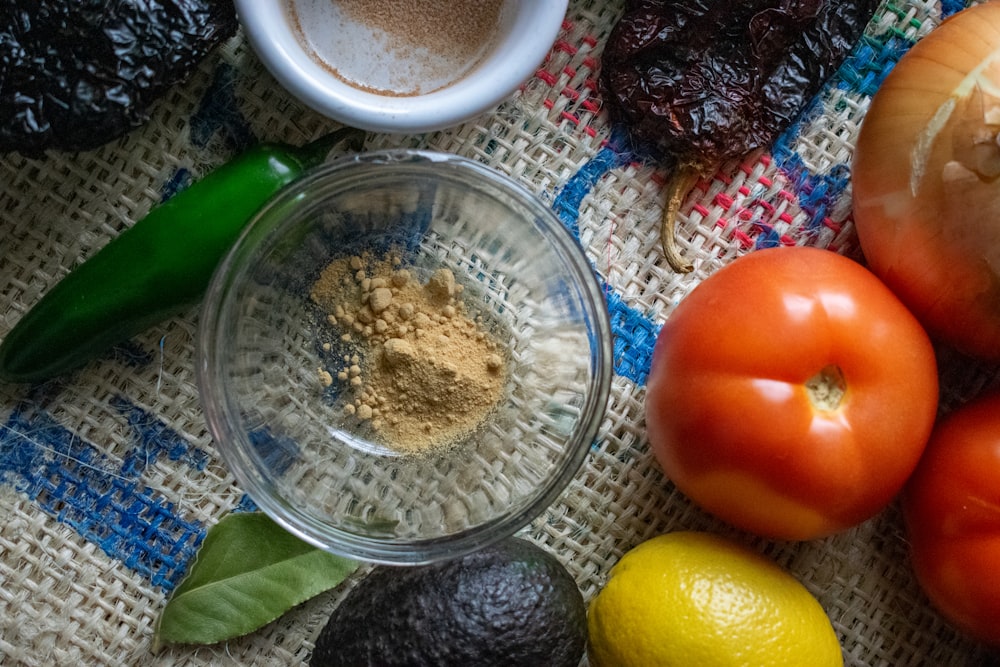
{"points": [[377, 258]]}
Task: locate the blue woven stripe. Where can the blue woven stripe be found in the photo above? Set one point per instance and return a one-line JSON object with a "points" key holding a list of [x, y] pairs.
{"points": [[633, 333], [567, 203], [102, 500], [153, 439], [949, 7]]}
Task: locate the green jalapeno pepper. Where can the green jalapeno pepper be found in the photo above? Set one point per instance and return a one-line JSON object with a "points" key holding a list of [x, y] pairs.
{"points": [[156, 268]]}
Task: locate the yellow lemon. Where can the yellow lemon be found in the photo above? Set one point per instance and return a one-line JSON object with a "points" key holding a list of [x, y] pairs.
{"points": [[692, 599]]}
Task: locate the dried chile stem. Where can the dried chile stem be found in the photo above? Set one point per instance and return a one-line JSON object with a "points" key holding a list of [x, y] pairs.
{"points": [[678, 187]]}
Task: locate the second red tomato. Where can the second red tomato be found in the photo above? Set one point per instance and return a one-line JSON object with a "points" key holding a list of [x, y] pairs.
{"points": [[791, 394], [951, 505]]}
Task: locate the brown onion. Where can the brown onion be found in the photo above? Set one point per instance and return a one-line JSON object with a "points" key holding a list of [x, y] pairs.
{"points": [[925, 181]]}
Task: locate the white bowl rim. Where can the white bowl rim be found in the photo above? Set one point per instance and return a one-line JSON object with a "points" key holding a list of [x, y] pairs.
{"points": [[535, 25]]}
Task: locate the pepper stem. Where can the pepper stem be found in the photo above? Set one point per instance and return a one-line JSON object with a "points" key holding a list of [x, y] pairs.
{"points": [[316, 150], [678, 186]]}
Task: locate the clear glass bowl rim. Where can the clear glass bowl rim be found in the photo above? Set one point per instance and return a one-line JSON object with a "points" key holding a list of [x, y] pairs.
{"points": [[222, 417]]}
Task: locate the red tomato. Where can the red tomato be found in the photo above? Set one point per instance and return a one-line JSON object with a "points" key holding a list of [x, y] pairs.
{"points": [[952, 510], [791, 394]]}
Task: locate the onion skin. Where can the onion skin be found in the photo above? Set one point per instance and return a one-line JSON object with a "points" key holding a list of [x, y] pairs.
{"points": [[926, 181]]}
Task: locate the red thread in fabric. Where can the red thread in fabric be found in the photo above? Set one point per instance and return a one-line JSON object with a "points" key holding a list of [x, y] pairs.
{"points": [[565, 47], [724, 200], [832, 225], [546, 76], [742, 238]]}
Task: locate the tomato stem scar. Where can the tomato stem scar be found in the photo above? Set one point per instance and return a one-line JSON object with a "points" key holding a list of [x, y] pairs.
{"points": [[826, 388]]}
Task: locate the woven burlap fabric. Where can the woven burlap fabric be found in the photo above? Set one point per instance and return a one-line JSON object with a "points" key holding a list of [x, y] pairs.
{"points": [[109, 480]]}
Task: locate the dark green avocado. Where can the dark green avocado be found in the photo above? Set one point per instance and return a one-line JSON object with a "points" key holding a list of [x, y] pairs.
{"points": [[511, 605]]}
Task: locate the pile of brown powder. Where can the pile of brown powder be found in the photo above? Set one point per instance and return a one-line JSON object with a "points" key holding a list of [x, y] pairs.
{"points": [[397, 47], [447, 27], [420, 372]]}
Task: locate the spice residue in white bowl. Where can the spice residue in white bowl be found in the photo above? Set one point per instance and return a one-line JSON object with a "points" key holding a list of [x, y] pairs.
{"points": [[397, 47]]}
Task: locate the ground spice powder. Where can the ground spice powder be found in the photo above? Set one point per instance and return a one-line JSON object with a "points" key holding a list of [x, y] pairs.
{"points": [[452, 28], [418, 370], [397, 47]]}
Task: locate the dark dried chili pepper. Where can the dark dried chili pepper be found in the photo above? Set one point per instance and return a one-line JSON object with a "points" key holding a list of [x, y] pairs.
{"points": [[75, 74], [712, 80]]}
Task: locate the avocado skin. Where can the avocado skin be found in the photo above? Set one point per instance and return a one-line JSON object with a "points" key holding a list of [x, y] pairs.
{"points": [[511, 604]]}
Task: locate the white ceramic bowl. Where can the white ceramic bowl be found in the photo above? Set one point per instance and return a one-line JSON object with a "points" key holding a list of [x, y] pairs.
{"points": [[526, 33]]}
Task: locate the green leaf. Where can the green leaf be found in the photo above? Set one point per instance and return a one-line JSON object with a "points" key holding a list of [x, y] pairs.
{"points": [[248, 572]]}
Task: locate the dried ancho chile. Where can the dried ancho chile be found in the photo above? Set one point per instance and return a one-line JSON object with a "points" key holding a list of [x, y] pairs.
{"points": [[75, 74], [710, 80]]}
